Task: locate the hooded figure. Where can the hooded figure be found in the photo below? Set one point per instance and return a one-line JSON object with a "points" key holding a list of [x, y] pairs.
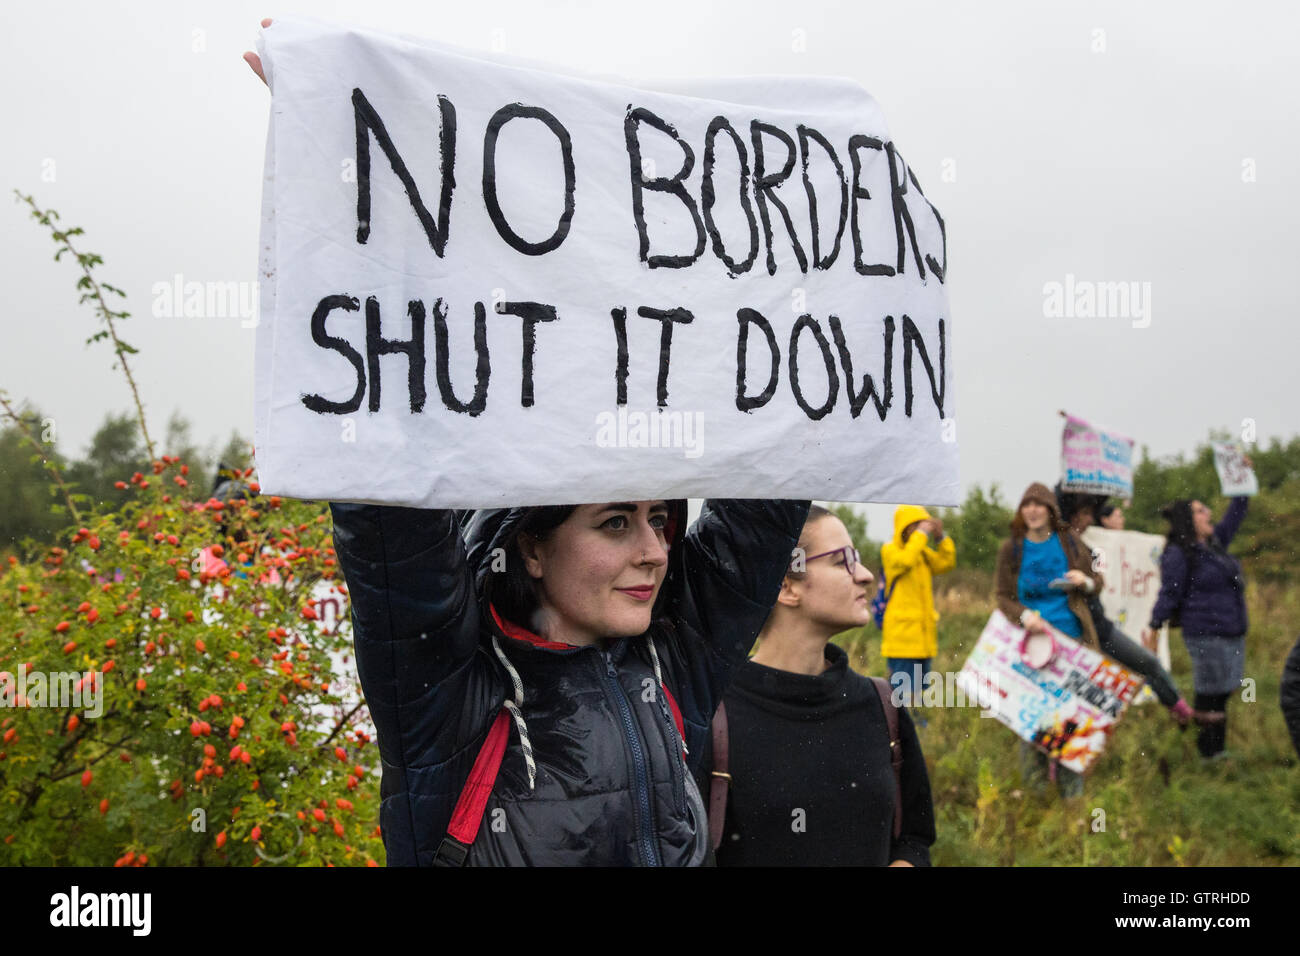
{"points": [[600, 742], [1077, 555], [910, 627]]}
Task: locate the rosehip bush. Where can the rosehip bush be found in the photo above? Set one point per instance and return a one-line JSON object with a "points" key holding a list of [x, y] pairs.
{"points": [[232, 728]]}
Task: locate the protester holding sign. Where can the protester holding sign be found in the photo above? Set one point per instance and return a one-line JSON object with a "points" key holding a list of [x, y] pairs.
{"points": [[481, 302], [1042, 577], [1079, 511], [806, 742], [547, 672], [910, 634], [1203, 591]]}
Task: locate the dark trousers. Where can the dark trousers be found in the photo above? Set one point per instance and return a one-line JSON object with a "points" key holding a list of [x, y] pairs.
{"points": [[1133, 655], [1212, 738]]}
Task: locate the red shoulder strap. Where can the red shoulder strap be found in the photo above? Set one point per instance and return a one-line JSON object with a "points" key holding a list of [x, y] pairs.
{"points": [[895, 748], [465, 820]]}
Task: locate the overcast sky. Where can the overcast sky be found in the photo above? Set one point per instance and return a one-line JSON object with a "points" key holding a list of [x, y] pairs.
{"points": [[1150, 143]]}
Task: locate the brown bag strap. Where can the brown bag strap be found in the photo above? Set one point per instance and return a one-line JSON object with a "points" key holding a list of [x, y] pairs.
{"points": [[895, 748], [720, 782]]}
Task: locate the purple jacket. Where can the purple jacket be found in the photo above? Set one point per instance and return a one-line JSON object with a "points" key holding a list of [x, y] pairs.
{"points": [[1207, 591]]}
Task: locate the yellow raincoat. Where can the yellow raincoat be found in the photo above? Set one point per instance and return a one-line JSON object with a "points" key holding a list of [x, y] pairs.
{"points": [[910, 628]]}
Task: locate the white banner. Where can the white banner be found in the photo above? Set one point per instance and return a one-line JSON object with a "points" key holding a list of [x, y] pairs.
{"points": [[1235, 476], [486, 283], [1130, 563]]}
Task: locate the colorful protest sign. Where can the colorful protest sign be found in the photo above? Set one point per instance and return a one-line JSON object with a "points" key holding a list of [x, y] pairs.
{"points": [[1129, 561], [1095, 462], [1236, 477], [1067, 708], [487, 283]]}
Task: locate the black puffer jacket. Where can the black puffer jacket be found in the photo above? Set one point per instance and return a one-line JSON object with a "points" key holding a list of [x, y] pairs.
{"points": [[610, 784]]}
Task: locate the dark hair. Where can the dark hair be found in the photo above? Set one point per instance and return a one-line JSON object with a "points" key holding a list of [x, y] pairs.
{"points": [[1106, 511], [512, 591], [1182, 530], [1072, 502]]}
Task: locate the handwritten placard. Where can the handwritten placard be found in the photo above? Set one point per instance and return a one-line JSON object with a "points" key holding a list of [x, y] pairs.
{"points": [[489, 283]]}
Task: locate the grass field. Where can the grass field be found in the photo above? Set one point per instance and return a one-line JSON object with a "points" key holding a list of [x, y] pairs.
{"points": [[1159, 804]]}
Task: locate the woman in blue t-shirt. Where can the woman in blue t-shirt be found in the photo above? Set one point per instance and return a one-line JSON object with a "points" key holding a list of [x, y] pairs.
{"points": [[1044, 574]]}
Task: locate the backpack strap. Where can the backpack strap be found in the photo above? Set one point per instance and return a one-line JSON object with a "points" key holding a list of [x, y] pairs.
{"points": [[465, 820], [720, 782], [895, 748]]}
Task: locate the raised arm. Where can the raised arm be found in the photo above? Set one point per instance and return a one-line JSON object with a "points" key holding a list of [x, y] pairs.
{"points": [[897, 560], [1226, 529], [942, 558], [415, 619], [734, 558]]}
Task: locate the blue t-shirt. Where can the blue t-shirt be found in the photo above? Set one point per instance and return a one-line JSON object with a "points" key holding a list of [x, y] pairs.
{"points": [[1039, 565]]}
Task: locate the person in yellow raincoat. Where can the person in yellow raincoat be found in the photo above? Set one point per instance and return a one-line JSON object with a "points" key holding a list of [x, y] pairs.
{"points": [[919, 551]]}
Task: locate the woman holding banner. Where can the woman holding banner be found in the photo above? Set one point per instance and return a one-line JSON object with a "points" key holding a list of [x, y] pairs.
{"points": [[543, 679], [1202, 590], [1043, 576]]}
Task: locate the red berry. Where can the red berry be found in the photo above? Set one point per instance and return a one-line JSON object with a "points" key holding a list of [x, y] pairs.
{"points": [[103, 805], [62, 626], [86, 777], [221, 839]]}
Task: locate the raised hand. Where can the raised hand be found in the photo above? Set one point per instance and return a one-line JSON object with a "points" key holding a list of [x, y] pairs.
{"points": [[254, 61]]}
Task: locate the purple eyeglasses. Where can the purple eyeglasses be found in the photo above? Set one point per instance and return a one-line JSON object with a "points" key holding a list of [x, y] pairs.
{"points": [[850, 558]]}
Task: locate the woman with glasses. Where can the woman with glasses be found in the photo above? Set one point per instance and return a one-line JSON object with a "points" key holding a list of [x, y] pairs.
{"points": [[802, 755], [919, 551]]}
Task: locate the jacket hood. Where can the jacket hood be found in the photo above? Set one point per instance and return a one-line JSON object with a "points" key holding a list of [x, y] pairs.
{"points": [[904, 516], [487, 529], [1045, 496]]}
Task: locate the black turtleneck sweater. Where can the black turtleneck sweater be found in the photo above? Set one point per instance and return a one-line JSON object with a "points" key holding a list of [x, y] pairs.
{"points": [[811, 779]]}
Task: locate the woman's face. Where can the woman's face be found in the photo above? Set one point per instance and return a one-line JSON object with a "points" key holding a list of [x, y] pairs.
{"points": [[828, 592], [1034, 514], [1114, 520], [1202, 520], [600, 571]]}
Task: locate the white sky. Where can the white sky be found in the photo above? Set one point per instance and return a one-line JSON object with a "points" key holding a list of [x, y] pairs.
{"points": [[1122, 165]]}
